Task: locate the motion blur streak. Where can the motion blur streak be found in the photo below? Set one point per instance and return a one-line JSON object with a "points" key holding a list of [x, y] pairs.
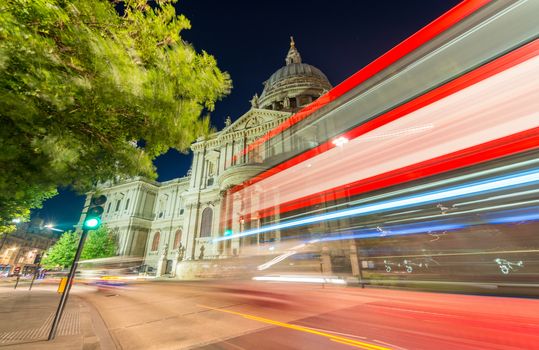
{"points": [[432, 184], [495, 184], [347, 341], [438, 26], [511, 216], [300, 279], [499, 106]]}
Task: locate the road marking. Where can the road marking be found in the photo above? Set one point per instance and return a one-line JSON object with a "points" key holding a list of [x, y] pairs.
{"points": [[339, 333], [332, 337], [349, 344]]}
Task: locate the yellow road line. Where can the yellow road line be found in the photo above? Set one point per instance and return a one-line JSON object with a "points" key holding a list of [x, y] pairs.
{"points": [[332, 337], [350, 344]]}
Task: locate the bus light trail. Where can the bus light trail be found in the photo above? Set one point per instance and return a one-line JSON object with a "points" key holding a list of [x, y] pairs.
{"points": [[495, 184], [495, 127]]}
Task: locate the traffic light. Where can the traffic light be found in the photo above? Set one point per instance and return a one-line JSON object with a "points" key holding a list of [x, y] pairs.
{"points": [[93, 214]]}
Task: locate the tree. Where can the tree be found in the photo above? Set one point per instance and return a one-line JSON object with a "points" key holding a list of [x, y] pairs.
{"points": [[100, 243], [61, 254], [88, 94]]}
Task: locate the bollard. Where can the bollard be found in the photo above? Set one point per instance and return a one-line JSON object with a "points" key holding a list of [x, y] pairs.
{"points": [[62, 285]]}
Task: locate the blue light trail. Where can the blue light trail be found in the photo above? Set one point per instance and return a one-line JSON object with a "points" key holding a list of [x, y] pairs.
{"points": [[474, 188]]}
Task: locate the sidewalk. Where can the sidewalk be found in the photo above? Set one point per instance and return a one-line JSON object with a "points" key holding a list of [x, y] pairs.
{"points": [[26, 318]]}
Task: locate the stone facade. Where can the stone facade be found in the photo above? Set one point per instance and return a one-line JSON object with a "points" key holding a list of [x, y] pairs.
{"points": [[167, 222], [19, 249]]}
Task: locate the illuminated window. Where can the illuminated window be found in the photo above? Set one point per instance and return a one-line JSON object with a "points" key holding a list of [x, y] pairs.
{"points": [[155, 242], [205, 225]]}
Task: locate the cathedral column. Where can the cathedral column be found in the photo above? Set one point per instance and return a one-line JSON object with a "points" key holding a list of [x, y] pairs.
{"points": [[215, 228], [194, 173], [221, 161], [190, 231]]}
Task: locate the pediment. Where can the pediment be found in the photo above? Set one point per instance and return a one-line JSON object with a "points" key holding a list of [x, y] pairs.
{"points": [[252, 119]]}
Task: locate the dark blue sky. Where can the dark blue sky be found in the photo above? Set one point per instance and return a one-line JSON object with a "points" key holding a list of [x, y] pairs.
{"points": [[250, 41]]}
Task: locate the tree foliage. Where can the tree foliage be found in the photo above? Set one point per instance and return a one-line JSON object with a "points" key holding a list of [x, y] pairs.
{"points": [[87, 94], [61, 254], [100, 243]]}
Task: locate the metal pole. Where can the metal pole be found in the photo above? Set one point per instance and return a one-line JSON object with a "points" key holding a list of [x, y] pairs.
{"points": [[3, 241], [65, 294], [17, 281], [34, 277]]}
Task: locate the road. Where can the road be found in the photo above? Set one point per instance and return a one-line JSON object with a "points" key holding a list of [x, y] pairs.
{"points": [[261, 315]]}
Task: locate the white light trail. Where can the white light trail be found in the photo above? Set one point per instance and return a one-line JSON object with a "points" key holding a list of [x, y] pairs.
{"points": [[300, 279], [499, 183]]}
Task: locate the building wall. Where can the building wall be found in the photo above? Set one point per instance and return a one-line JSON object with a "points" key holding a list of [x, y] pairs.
{"points": [[20, 248], [139, 209]]}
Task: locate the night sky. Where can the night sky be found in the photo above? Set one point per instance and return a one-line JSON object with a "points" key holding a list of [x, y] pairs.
{"points": [[250, 40]]}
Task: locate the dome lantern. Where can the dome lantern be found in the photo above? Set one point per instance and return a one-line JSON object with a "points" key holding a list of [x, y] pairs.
{"points": [[293, 55], [294, 85]]}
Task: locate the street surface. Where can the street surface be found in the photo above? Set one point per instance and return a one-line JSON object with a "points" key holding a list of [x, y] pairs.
{"points": [[261, 315], [26, 318]]}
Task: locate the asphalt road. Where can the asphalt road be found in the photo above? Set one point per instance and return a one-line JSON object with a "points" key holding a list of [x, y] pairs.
{"points": [[259, 315]]}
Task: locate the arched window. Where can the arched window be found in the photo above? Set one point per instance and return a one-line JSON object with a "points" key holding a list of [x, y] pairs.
{"points": [[155, 242], [177, 238], [205, 224]]}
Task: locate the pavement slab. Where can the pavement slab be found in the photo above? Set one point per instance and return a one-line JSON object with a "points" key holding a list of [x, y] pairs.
{"points": [[26, 318]]}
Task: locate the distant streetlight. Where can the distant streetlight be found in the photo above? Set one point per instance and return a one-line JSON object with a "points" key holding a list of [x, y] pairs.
{"points": [[51, 227]]}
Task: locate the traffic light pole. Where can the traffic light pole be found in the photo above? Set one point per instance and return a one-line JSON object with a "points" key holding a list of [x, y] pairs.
{"points": [[65, 294]]}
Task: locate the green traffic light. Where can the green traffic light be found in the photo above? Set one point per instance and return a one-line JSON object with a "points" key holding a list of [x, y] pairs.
{"points": [[228, 232], [92, 223]]}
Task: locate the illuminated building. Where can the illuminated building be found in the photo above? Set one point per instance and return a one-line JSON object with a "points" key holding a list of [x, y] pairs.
{"points": [[152, 218], [19, 249]]}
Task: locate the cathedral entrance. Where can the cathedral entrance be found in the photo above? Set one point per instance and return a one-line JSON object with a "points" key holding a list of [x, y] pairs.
{"points": [[168, 269]]}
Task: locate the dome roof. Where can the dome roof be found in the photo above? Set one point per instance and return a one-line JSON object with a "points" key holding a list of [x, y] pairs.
{"points": [[296, 81], [294, 69]]}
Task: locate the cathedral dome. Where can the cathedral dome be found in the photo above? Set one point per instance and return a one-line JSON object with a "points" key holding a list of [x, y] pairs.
{"points": [[294, 85], [294, 69]]}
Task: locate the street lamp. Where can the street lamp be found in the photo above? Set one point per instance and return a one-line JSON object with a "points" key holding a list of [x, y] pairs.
{"points": [[51, 227]]}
